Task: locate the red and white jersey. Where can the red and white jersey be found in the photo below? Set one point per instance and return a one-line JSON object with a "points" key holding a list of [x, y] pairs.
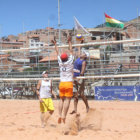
{"points": [[66, 69]]}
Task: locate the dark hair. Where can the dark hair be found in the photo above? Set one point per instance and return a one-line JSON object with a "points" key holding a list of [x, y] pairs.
{"points": [[85, 58], [64, 60], [46, 72]]}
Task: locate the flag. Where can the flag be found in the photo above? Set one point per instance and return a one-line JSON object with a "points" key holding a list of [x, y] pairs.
{"points": [[78, 26], [111, 22]]}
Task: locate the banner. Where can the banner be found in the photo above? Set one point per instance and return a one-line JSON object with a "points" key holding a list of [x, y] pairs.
{"points": [[128, 93], [94, 53], [78, 26]]}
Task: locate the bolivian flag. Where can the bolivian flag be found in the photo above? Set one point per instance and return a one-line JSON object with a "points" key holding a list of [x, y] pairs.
{"points": [[111, 22]]}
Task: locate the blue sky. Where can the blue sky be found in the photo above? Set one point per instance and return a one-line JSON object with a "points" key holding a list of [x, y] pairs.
{"points": [[17, 16]]}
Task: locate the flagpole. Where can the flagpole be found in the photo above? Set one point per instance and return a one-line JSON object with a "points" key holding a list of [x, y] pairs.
{"points": [[104, 37], [75, 41], [74, 34], [59, 22], [49, 40], [137, 29], [137, 21]]}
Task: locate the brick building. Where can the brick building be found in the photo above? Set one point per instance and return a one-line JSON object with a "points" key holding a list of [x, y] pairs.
{"points": [[43, 37]]}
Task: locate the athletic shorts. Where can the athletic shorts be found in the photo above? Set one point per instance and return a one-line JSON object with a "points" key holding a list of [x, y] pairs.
{"points": [[80, 87], [66, 89], [46, 105]]}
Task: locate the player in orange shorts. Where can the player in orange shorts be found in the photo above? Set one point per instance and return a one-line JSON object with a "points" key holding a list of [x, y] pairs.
{"points": [[66, 80]]}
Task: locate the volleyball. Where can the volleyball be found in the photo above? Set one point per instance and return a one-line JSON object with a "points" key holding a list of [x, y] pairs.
{"points": [[79, 37]]}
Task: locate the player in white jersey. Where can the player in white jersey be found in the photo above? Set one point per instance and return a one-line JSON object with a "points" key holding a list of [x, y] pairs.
{"points": [[66, 68], [66, 80], [44, 93]]}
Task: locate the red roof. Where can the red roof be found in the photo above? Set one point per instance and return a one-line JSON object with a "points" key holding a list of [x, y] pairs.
{"points": [[51, 57], [4, 55]]}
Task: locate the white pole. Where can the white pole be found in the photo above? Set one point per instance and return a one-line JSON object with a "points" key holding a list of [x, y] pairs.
{"points": [[137, 22], [48, 42], [48, 32], [59, 22]]}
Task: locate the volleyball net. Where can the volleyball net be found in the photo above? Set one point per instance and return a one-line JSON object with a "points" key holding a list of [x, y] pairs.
{"points": [[20, 88], [21, 69]]}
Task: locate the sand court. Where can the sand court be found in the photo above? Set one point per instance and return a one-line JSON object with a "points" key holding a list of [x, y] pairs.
{"points": [[106, 120]]}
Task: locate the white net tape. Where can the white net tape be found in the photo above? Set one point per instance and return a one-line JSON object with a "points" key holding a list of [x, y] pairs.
{"points": [[74, 45], [82, 77]]}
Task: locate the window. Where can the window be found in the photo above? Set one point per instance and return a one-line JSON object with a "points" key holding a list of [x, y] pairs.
{"points": [[36, 40], [15, 47], [51, 33], [139, 59], [95, 65], [93, 38]]}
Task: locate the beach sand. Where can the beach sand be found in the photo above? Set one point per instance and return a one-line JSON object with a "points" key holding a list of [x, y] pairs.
{"points": [[106, 120]]}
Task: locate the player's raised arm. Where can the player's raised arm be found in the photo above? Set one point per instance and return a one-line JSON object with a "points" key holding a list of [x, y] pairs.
{"points": [[70, 45], [56, 48]]}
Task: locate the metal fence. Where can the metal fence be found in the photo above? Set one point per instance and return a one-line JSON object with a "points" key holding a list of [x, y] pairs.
{"points": [[111, 62]]}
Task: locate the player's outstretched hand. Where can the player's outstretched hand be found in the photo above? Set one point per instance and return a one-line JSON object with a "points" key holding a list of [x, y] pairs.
{"points": [[54, 41]]}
